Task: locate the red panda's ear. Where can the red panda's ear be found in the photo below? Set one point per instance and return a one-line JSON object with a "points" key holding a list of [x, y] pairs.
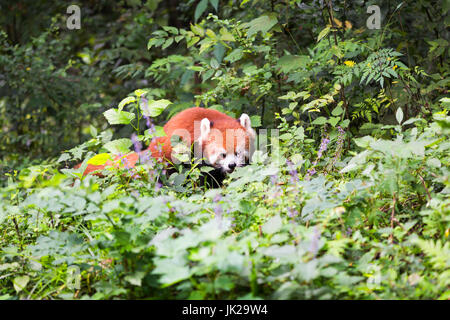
{"points": [[205, 128], [247, 124]]}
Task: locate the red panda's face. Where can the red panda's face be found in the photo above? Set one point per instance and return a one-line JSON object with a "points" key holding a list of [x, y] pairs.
{"points": [[227, 145]]}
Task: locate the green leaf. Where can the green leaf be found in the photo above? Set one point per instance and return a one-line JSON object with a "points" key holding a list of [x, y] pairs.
{"points": [[273, 225], [201, 7], [119, 146], [214, 64], [63, 157], [208, 74], [172, 30], [126, 101], [225, 35], [198, 30], [323, 33], [320, 121], [333, 121], [159, 132], [115, 116], [292, 62], [20, 283], [399, 115], [235, 55], [155, 107], [215, 4], [93, 131], [263, 24], [337, 111], [168, 42], [255, 121], [136, 278]]}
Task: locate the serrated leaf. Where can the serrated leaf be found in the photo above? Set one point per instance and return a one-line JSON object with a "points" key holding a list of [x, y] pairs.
{"points": [[63, 157]]}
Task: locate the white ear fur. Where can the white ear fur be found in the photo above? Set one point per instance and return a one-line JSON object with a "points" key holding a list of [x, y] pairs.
{"points": [[247, 124], [245, 121], [205, 129]]}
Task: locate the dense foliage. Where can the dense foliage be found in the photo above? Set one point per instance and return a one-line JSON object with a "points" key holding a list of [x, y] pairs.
{"points": [[349, 201]]}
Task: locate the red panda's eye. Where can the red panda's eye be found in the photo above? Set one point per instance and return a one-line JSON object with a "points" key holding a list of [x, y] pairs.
{"points": [[223, 155]]}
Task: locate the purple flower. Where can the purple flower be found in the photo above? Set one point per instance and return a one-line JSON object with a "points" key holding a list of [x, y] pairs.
{"points": [[136, 194], [348, 232], [274, 179], [144, 104], [137, 144], [218, 211], [292, 171], [292, 212], [323, 147], [217, 198]]}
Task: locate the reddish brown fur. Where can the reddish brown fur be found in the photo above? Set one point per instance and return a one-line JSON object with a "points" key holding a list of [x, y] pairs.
{"points": [[185, 120]]}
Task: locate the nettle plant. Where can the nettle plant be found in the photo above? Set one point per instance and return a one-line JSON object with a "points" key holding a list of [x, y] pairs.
{"points": [[137, 110], [408, 173]]}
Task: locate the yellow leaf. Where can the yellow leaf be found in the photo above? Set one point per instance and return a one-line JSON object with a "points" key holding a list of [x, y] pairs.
{"points": [[99, 159], [338, 23]]}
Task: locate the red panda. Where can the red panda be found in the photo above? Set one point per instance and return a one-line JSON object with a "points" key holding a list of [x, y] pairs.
{"points": [[224, 142]]}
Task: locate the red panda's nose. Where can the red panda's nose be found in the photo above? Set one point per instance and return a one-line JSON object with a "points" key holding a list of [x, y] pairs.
{"points": [[232, 165]]}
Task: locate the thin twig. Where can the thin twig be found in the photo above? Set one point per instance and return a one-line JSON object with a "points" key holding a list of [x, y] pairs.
{"points": [[424, 185], [394, 201], [18, 232]]}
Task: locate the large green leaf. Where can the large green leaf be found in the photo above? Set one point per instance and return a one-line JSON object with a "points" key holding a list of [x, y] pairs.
{"points": [[155, 107], [201, 7], [292, 62], [263, 24], [115, 116], [119, 146]]}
